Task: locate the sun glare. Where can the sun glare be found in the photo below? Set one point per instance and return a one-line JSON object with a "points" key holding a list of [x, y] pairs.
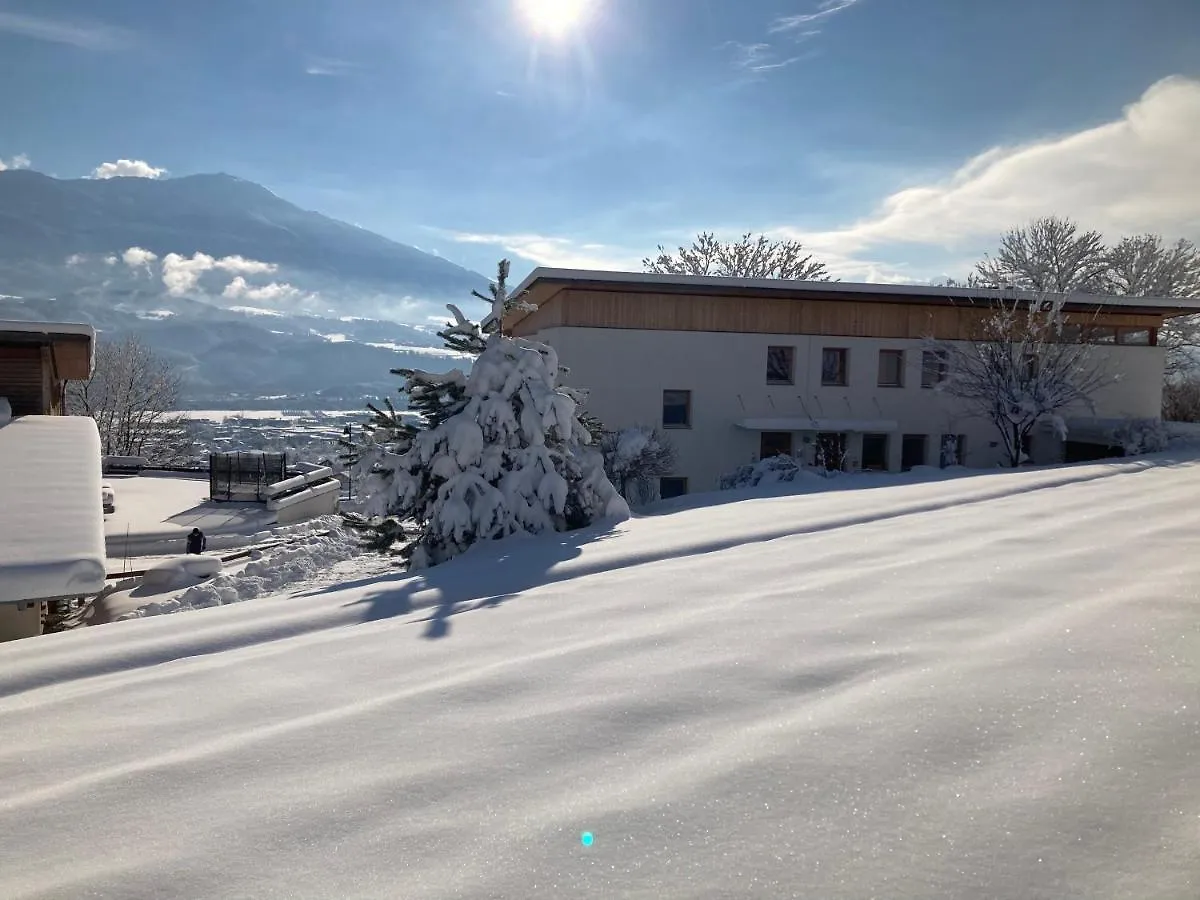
{"points": [[554, 18]]}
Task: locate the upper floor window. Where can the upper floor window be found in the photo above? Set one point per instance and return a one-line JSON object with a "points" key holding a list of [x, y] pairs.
{"points": [[1139, 337], [677, 409], [933, 368], [891, 368], [833, 367], [781, 365]]}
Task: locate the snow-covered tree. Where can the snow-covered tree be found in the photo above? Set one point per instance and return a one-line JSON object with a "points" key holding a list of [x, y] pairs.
{"points": [[1146, 266], [635, 458], [132, 395], [748, 257], [1049, 255], [499, 451], [1021, 368]]}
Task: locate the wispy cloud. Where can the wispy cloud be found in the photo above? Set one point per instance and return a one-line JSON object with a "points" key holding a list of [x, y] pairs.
{"points": [[329, 68], [84, 34], [824, 11], [20, 161], [758, 59], [557, 252], [127, 168]]}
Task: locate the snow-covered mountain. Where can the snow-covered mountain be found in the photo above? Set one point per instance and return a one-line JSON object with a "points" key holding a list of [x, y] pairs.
{"points": [[251, 295]]}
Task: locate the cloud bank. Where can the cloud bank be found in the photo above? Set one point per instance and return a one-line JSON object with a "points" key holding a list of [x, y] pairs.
{"points": [[1138, 173], [127, 168]]}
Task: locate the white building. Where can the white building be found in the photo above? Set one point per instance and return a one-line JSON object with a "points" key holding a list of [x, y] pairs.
{"points": [[735, 369], [51, 513]]}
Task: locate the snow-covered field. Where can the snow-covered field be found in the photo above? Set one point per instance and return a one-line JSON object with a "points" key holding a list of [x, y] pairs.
{"points": [[981, 687]]}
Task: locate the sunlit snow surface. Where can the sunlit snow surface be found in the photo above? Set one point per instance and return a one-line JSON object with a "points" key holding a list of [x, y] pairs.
{"points": [[985, 687]]}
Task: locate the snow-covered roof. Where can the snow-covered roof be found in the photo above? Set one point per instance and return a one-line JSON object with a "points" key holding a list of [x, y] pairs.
{"points": [[77, 329], [68, 333], [51, 521], [879, 292]]}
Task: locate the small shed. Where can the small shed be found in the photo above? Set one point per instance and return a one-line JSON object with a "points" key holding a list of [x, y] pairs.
{"points": [[51, 519], [37, 359]]}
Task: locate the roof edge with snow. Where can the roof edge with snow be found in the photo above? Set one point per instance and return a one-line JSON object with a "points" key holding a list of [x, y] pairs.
{"points": [[713, 284]]}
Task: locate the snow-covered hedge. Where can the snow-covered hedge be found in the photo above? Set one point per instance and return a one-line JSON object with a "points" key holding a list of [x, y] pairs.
{"points": [[772, 470], [1138, 436]]}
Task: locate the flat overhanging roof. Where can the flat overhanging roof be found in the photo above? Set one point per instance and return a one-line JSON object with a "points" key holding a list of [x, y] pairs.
{"points": [[73, 343], [840, 290], [51, 520], [864, 426]]}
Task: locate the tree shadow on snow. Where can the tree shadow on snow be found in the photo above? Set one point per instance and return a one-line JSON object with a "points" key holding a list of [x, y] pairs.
{"points": [[482, 578]]}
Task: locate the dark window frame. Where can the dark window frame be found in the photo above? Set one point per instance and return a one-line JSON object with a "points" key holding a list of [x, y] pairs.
{"points": [[680, 479], [844, 356], [763, 442], [790, 353], [687, 407], [898, 355], [933, 363]]}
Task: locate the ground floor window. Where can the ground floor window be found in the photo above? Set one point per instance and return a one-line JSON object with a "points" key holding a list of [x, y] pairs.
{"points": [[774, 443], [831, 450], [912, 451], [672, 487], [875, 452]]}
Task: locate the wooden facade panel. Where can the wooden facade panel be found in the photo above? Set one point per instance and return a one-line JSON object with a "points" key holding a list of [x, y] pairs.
{"points": [[21, 380], [766, 315], [73, 358]]}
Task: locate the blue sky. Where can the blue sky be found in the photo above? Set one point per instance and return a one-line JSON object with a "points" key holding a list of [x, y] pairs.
{"points": [[896, 137]]}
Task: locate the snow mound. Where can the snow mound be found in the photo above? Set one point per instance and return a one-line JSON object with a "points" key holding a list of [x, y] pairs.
{"points": [[319, 544], [183, 572]]}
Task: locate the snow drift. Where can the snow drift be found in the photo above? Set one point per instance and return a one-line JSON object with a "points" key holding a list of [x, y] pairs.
{"points": [[982, 687]]}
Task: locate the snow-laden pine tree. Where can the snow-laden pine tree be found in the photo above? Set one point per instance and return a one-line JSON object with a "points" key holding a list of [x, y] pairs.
{"points": [[502, 450]]}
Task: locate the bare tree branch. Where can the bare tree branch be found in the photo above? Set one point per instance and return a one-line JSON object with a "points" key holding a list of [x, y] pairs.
{"points": [[1026, 364], [132, 394], [1049, 255], [747, 257]]}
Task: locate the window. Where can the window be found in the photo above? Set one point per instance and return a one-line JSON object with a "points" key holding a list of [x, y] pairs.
{"points": [[677, 409], [891, 368], [912, 451], [781, 365], [833, 367], [671, 487], [1137, 337], [1102, 334], [831, 450], [933, 368], [1071, 334], [775, 443], [875, 452]]}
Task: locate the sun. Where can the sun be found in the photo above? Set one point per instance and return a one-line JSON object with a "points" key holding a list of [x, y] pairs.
{"points": [[554, 18]]}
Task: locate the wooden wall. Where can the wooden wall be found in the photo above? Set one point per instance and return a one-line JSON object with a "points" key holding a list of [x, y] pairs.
{"points": [[770, 315], [22, 380]]}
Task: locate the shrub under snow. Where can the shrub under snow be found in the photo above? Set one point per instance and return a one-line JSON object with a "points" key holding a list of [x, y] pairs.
{"points": [[634, 458], [772, 470], [1138, 436]]}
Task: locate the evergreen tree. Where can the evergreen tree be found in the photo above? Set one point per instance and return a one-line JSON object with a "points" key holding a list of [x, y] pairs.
{"points": [[495, 453]]}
